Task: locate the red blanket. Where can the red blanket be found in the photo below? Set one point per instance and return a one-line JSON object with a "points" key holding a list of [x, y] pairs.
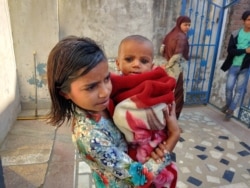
{"points": [[145, 89]]}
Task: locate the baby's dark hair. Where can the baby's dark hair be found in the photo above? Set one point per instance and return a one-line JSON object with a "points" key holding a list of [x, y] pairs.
{"points": [[245, 15], [70, 58]]}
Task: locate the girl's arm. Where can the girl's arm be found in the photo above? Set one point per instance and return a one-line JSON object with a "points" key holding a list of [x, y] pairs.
{"points": [[172, 128], [173, 134]]}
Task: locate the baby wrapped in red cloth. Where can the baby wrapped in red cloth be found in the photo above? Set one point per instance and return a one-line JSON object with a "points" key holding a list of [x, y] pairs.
{"points": [[143, 108], [139, 101]]}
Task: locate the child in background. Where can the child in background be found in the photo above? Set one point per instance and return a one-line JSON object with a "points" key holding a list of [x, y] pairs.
{"points": [[79, 86], [237, 64], [139, 96]]}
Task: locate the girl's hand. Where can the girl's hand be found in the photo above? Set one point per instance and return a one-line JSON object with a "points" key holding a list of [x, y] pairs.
{"points": [[170, 116], [173, 132]]}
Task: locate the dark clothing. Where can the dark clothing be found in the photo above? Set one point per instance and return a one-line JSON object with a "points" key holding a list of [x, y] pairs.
{"points": [[179, 95], [176, 41], [233, 51]]}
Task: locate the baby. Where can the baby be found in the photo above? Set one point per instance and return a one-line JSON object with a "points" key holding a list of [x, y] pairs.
{"points": [[140, 95]]}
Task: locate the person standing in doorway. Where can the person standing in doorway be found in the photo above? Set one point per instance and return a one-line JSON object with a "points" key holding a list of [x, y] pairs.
{"points": [[175, 49], [237, 64]]}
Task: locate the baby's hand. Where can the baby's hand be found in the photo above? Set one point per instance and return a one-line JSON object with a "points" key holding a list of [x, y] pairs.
{"points": [[248, 50]]}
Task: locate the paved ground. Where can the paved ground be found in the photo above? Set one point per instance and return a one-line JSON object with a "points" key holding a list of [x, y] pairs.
{"points": [[211, 153]]}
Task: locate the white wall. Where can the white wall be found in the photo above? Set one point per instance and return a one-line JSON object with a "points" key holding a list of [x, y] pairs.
{"points": [[9, 92]]}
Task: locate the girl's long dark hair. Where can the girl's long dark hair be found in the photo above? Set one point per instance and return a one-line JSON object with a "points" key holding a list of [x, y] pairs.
{"points": [[70, 58]]}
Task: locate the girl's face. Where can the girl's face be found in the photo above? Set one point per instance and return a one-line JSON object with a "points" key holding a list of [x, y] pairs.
{"points": [[135, 57], [91, 91], [185, 26]]}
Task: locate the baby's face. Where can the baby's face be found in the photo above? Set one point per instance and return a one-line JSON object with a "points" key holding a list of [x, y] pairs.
{"points": [[135, 57]]}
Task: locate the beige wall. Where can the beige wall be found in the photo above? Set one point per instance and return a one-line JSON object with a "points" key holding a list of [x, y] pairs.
{"points": [[9, 92], [109, 21], [35, 31], [39, 24]]}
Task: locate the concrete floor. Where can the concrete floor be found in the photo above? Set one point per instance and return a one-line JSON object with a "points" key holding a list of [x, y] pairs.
{"points": [[211, 153], [35, 154]]}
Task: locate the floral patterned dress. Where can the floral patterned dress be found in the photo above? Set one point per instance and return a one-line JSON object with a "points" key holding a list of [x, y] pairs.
{"points": [[102, 146]]}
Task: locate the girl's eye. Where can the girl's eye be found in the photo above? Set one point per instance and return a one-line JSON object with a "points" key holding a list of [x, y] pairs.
{"points": [[90, 87], [107, 79]]}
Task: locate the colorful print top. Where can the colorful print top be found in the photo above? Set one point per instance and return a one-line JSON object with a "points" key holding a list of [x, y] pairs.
{"points": [[102, 146]]}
